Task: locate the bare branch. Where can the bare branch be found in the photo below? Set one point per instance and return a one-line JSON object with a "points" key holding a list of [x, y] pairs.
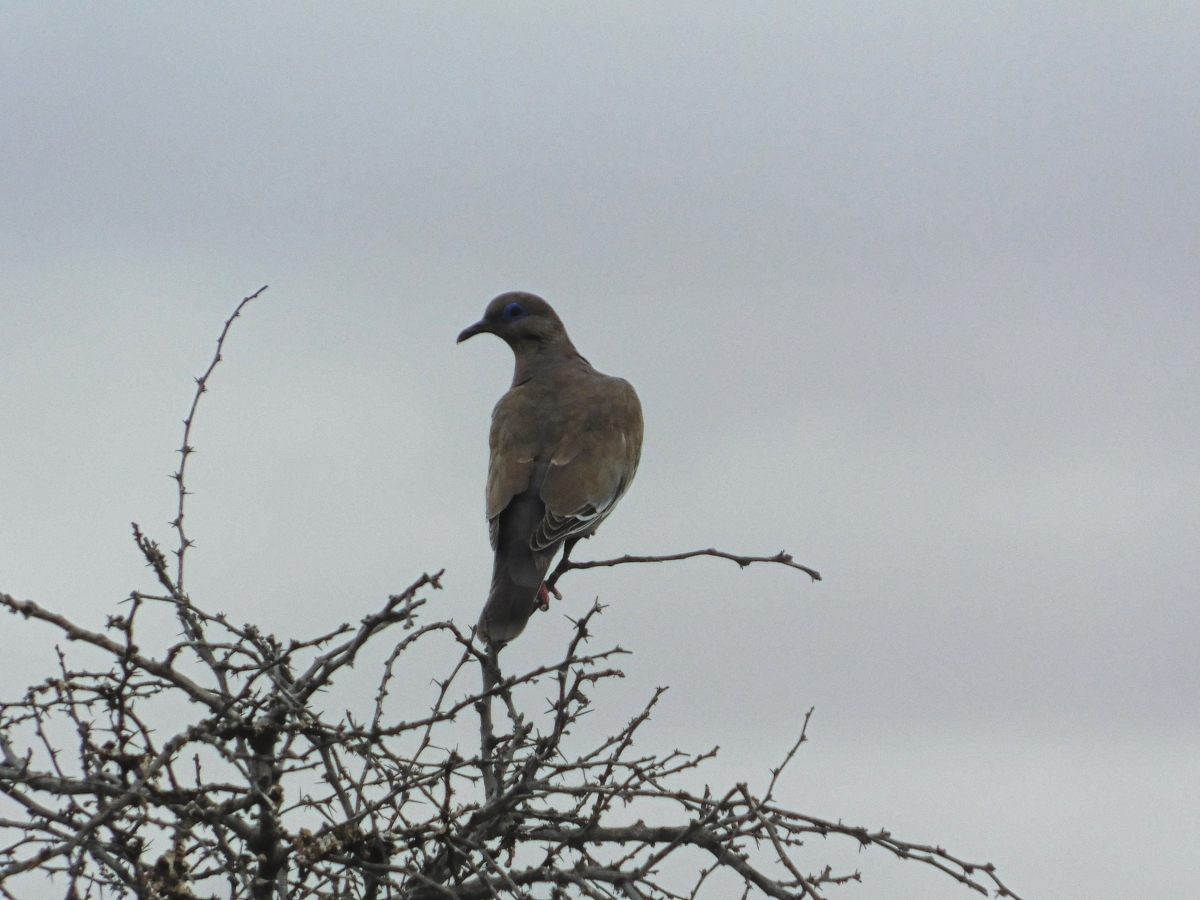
{"points": [[186, 449], [782, 558]]}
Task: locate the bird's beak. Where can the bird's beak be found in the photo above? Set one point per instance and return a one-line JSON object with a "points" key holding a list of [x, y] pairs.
{"points": [[478, 328]]}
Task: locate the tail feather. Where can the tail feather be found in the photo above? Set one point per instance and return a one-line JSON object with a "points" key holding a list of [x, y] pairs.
{"points": [[509, 606], [518, 570]]}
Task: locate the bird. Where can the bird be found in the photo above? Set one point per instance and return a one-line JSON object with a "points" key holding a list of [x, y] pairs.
{"points": [[565, 444]]}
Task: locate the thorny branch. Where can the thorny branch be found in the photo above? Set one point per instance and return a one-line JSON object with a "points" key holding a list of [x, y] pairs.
{"points": [[113, 784], [566, 564], [186, 449]]}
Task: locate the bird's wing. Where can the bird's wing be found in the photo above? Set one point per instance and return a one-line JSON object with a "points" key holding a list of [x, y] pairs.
{"points": [[594, 461], [588, 426], [514, 447]]}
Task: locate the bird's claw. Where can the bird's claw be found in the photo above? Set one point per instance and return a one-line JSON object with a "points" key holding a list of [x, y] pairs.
{"points": [[543, 596]]}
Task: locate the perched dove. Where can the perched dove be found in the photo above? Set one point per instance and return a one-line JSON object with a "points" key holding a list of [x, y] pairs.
{"points": [[565, 445]]}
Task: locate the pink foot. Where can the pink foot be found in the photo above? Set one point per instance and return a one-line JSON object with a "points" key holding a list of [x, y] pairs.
{"points": [[543, 596]]}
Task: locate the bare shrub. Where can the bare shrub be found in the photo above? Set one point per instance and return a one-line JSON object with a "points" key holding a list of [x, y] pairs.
{"points": [[260, 793]]}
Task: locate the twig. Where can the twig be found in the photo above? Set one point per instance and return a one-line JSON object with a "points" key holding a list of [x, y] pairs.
{"points": [[782, 558], [186, 449]]}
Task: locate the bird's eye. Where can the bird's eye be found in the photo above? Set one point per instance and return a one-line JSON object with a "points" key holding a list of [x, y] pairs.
{"points": [[514, 311]]}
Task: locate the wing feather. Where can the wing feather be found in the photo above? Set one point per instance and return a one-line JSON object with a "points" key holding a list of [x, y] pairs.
{"points": [[586, 432]]}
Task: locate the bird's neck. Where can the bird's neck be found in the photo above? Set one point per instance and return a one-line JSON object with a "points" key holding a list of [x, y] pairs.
{"points": [[534, 357]]}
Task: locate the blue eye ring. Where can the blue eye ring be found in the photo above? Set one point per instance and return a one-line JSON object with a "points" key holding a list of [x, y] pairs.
{"points": [[514, 311]]}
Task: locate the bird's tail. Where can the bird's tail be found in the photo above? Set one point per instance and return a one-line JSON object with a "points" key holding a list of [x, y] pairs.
{"points": [[519, 569], [509, 606]]}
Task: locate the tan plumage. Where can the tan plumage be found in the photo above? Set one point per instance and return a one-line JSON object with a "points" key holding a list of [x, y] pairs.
{"points": [[565, 443]]}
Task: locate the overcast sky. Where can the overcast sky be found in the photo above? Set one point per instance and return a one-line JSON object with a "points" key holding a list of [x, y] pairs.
{"points": [[912, 292]]}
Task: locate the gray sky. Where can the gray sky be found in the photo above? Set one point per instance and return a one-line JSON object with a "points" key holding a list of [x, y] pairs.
{"points": [[912, 293]]}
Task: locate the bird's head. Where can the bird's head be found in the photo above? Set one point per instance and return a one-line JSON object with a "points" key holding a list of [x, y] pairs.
{"points": [[525, 321]]}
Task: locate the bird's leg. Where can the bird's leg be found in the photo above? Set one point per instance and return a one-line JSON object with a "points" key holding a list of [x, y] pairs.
{"points": [[548, 587]]}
